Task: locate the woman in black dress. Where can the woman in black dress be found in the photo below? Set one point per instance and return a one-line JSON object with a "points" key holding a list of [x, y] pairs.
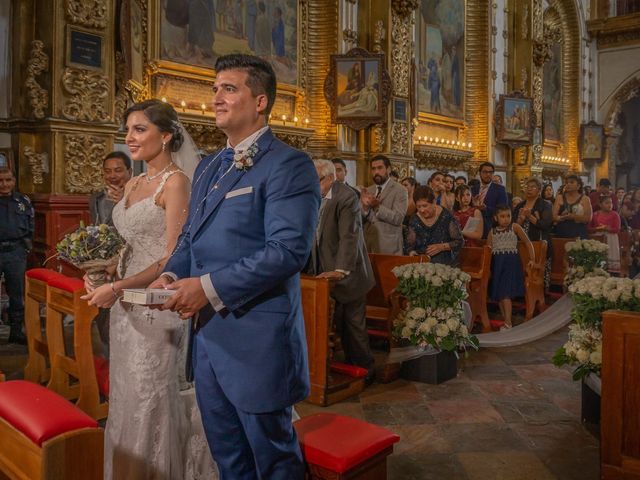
{"points": [[433, 230]]}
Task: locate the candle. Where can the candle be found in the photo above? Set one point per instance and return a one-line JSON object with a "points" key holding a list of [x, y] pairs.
{"points": [[164, 99], [203, 107], [295, 120], [284, 119], [306, 122], [183, 104]]}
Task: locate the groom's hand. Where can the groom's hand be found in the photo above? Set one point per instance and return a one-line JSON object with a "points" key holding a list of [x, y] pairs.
{"points": [[188, 299]]}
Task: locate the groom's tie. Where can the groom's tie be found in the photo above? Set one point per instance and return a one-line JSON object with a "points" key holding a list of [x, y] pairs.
{"points": [[226, 159]]}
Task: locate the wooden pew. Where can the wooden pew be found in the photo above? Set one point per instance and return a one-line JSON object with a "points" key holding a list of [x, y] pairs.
{"points": [[625, 237], [533, 277], [559, 260], [330, 382], [63, 298], [476, 261], [620, 423], [379, 318]]}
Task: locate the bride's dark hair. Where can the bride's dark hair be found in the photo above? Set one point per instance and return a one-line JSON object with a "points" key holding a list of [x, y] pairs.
{"points": [[163, 116]]}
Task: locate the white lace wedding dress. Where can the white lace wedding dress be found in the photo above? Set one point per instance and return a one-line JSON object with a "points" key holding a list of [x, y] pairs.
{"points": [[153, 430]]}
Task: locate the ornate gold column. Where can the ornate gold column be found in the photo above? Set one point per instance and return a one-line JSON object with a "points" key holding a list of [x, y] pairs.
{"points": [[62, 119]]}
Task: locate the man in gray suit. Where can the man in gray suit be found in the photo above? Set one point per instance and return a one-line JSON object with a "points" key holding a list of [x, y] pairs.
{"points": [[384, 206], [339, 253], [116, 171]]}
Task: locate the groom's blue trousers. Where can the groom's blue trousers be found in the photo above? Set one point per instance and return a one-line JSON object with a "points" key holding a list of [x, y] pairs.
{"points": [[246, 446]]}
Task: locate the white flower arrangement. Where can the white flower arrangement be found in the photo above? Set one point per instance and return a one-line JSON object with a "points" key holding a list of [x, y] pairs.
{"points": [[592, 296], [587, 245], [244, 160], [587, 258], [434, 313]]}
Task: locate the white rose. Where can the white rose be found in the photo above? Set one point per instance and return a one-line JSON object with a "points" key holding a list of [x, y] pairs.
{"points": [[424, 328], [453, 324], [463, 330], [406, 332], [431, 322], [437, 281], [596, 358], [582, 355], [442, 330], [410, 323]]}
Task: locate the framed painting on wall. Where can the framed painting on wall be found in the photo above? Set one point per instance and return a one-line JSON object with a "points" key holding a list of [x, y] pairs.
{"points": [[440, 40], [197, 33], [6, 159], [515, 120], [591, 141]]}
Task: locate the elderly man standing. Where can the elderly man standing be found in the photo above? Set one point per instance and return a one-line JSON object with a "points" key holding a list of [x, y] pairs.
{"points": [[384, 206], [339, 253]]}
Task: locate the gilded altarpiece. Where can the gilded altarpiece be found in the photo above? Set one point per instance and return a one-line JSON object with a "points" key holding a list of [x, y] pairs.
{"points": [[452, 84]]}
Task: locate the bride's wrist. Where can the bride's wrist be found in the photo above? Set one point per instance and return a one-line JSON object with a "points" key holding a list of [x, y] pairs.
{"points": [[115, 288]]}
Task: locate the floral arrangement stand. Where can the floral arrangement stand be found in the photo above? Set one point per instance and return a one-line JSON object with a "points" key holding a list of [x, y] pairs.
{"points": [[432, 320], [434, 369]]}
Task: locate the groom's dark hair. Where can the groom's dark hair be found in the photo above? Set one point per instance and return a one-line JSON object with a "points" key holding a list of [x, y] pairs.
{"points": [[261, 79]]}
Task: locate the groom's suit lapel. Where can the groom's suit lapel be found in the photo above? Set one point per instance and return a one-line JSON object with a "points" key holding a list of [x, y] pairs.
{"points": [[226, 184]]}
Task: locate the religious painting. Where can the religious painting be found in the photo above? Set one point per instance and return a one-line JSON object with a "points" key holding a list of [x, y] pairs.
{"points": [[196, 33], [552, 96], [6, 158], [591, 142], [440, 37], [514, 120], [132, 39]]}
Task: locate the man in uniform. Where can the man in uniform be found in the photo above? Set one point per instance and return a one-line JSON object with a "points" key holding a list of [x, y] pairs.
{"points": [[16, 231]]}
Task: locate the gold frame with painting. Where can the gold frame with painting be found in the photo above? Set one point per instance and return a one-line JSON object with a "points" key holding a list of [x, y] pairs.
{"points": [[591, 142], [515, 120], [6, 160]]}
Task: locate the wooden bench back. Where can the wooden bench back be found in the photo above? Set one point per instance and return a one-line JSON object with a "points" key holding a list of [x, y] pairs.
{"points": [[559, 259], [476, 261], [386, 281]]}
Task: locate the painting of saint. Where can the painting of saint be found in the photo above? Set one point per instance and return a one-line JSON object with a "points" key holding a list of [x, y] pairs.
{"points": [[517, 115], [197, 32], [592, 141], [357, 97], [552, 95], [440, 41]]}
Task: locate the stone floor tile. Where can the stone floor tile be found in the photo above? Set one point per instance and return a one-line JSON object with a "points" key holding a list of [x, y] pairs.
{"points": [[481, 437], [351, 409], [484, 356], [490, 372], [424, 439], [416, 466], [556, 436], [541, 372], [569, 463], [504, 466], [523, 356], [510, 389], [570, 403], [463, 411], [398, 391], [458, 389], [397, 413], [535, 412]]}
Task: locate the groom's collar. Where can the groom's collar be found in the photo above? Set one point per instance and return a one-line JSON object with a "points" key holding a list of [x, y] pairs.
{"points": [[247, 142]]}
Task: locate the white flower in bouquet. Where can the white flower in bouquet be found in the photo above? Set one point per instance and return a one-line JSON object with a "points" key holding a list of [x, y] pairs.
{"points": [[582, 355], [406, 332], [431, 322], [453, 323], [596, 358], [463, 330], [442, 330]]}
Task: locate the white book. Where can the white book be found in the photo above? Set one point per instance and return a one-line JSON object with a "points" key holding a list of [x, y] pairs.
{"points": [[471, 225], [146, 296]]}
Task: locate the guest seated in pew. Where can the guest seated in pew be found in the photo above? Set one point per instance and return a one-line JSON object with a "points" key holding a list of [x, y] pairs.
{"points": [[607, 221], [339, 254], [432, 230], [463, 211], [630, 210], [507, 278], [535, 216], [572, 210]]}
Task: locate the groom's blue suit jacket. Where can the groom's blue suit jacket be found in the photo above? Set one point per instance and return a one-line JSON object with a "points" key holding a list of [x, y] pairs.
{"points": [[253, 244]]}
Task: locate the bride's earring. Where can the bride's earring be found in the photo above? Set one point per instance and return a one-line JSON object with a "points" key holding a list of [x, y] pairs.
{"points": [[164, 146]]}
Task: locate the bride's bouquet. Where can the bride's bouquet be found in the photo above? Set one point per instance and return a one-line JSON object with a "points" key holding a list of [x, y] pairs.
{"points": [[93, 248]]}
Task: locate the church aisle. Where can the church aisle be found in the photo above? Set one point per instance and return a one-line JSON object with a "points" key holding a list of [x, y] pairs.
{"points": [[510, 414]]}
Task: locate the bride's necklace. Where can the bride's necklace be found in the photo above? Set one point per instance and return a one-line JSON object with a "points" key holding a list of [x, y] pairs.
{"points": [[150, 178]]}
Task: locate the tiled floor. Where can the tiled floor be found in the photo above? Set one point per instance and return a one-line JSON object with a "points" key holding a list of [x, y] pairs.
{"points": [[509, 414]]}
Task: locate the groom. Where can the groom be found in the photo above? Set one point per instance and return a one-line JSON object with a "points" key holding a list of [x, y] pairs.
{"points": [[252, 217]]}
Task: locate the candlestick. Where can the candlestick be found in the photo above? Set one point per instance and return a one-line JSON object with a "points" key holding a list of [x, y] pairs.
{"points": [[203, 107], [306, 122], [164, 99], [295, 120], [183, 104], [284, 119]]}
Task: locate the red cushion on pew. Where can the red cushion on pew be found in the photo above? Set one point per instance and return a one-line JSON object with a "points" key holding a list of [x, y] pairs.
{"points": [[43, 274], [39, 413], [351, 370], [67, 283], [496, 324], [101, 366], [339, 443]]}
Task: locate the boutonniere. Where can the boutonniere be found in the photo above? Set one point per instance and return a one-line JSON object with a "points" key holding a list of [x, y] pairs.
{"points": [[244, 160]]}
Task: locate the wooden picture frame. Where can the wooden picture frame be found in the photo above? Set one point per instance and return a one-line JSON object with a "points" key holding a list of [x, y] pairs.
{"points": [[6, 159], [85, 49], [591, 141], [357, 88], [515, 120]]}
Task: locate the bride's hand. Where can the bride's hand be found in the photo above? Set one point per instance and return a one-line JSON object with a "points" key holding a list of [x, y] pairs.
{"points": [[88, 286], [101, 297]]}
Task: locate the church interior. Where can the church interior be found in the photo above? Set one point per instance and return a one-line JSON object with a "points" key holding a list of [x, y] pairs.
{"points": [[541, 95]]}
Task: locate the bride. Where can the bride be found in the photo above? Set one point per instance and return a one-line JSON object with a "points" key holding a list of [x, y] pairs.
{"points": [[153, 431]]}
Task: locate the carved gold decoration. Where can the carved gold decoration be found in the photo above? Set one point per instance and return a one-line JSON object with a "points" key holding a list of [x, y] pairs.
{"points": [[524, 26], [403, 169], [206, 135], [615, 31], [629, 90], [400, 138], [404, 8], [476, 85], [120, 102], [83, 156], [89, 95], [429, 157], [379, 36], [38, 62], [90, 13], [379, 138], [38, 164], [138, 92], [401, 29], [350, 36]]}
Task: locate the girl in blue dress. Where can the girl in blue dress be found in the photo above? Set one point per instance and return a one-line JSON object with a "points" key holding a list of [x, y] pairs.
{"points": [[507, 279]]}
